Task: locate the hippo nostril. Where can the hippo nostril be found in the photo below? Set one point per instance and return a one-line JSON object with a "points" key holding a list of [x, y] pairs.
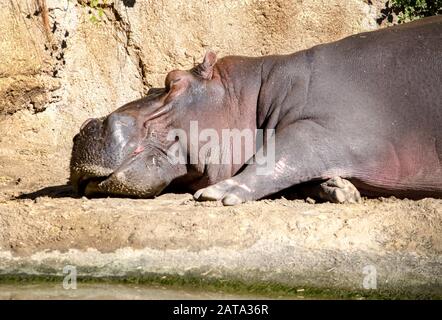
{"points": [[86, 123]]}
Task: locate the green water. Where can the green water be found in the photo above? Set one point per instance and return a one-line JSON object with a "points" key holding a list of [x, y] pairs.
{"points": [[55, 291], [176, 288]]}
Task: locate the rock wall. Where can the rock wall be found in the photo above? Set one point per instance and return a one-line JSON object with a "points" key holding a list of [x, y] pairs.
{"points": [[63, 61]]}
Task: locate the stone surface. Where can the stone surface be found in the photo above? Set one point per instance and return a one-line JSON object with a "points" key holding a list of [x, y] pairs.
{"points": [[277, 241]]}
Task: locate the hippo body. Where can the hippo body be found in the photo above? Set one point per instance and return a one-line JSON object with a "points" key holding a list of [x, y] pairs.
{"points": [[363, 112]]}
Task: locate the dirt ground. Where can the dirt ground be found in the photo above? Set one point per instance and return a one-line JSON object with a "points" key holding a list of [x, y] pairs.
{"points": [[50, 217]]}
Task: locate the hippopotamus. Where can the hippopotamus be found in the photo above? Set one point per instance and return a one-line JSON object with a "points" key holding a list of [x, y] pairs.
{"points": [[359, 116]]}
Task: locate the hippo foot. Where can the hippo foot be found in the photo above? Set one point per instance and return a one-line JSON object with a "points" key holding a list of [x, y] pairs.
{"points": [[229, 192], [338, 190]]}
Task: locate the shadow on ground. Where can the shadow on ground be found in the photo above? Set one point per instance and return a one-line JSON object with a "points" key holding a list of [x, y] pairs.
{"points": [[58, 191]]}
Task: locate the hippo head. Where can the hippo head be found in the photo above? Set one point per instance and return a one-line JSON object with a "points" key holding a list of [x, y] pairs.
{"points": [[126, 152]]}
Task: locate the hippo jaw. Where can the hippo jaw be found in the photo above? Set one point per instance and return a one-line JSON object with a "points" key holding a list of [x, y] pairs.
{"points": [[127, 180], [110, 157]]}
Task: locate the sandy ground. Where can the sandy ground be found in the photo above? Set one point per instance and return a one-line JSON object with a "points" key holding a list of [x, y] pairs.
{"points": [[51, 218]]}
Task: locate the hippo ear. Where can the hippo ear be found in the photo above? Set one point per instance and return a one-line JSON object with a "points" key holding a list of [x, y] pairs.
{"points": [[205, 69]]}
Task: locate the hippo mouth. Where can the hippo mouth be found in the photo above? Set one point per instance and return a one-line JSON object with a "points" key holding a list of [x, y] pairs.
{"points": [[145, 173], [83, 185], [92, 182]]}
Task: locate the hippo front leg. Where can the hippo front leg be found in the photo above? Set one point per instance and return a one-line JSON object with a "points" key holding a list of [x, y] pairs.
{"points": [[304, 151], [230, 191]]}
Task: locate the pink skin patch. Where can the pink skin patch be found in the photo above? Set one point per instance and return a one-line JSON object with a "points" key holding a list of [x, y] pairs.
{"points": [[411, 164], [139, 149]]}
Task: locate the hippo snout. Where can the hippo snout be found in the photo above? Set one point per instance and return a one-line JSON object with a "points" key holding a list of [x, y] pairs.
{"points": [[112, 156], [102, 145]]}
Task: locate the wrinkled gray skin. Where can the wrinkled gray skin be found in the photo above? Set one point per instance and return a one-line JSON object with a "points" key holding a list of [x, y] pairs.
{"points": [[365, 111]]}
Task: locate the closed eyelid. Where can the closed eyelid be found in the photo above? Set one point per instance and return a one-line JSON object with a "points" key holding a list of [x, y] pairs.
{"points": [[171, 82]]}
